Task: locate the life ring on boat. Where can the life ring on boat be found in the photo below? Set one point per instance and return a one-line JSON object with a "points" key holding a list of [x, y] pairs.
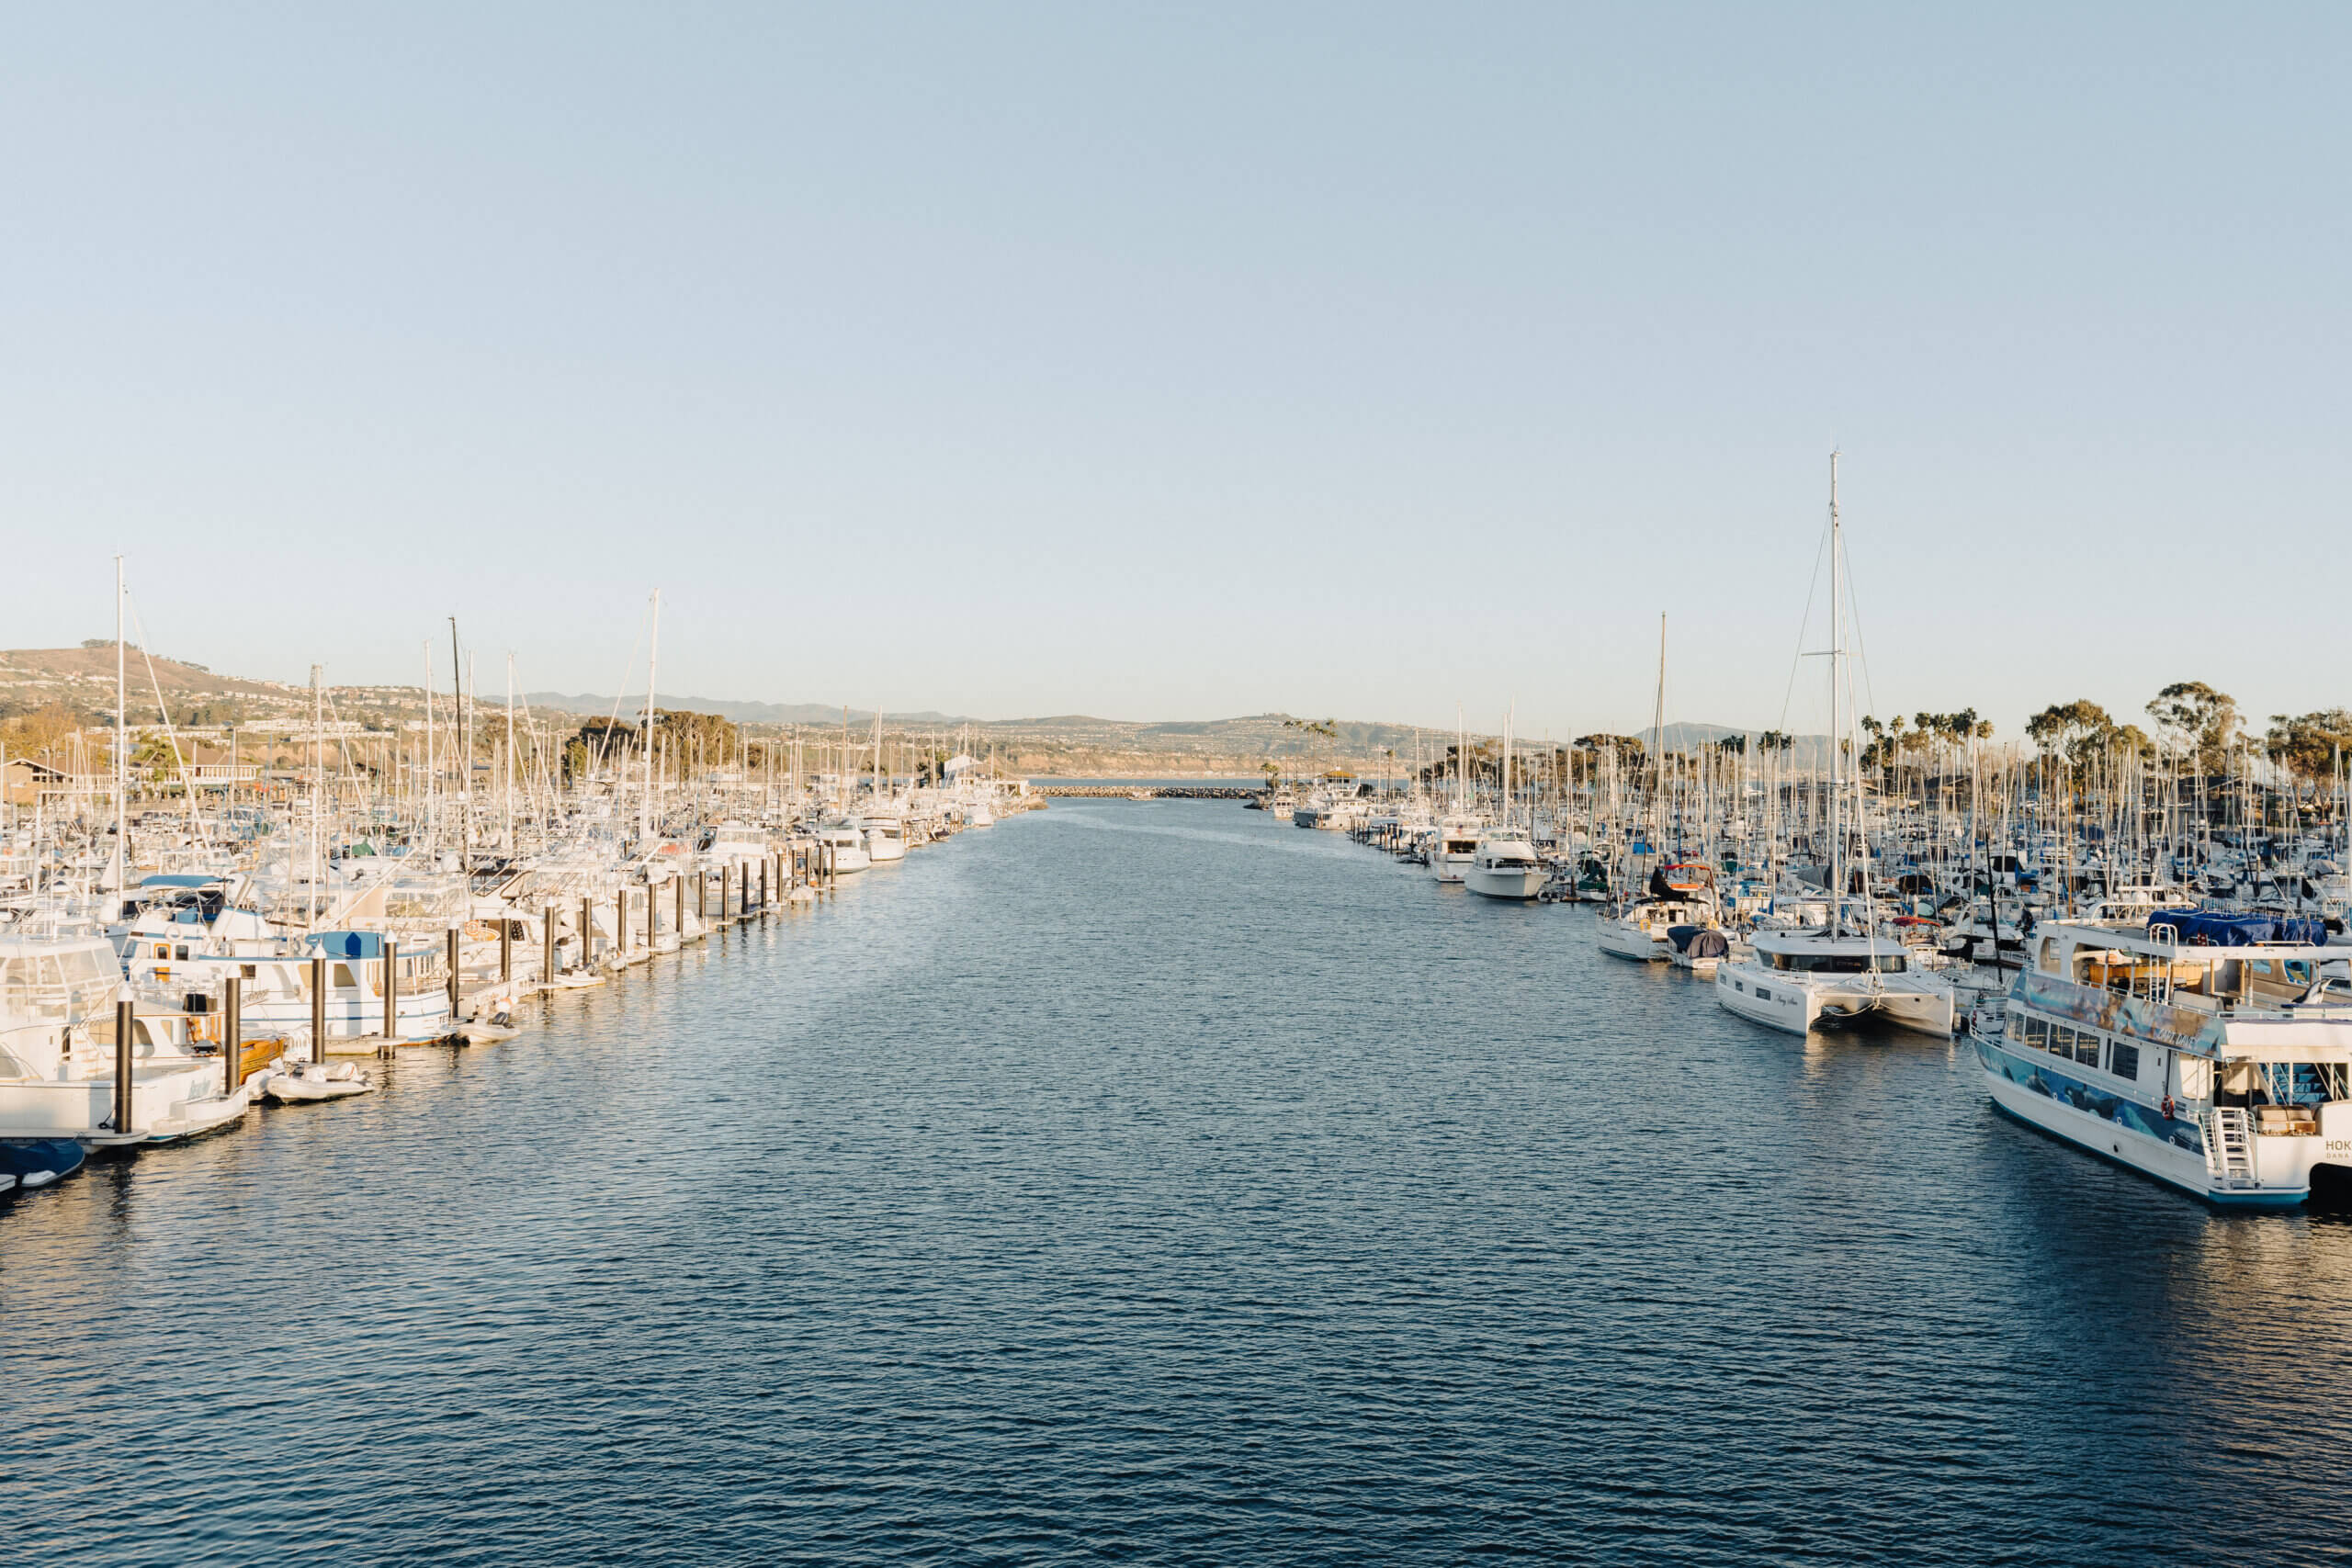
{"points": [[2167, 1108]]}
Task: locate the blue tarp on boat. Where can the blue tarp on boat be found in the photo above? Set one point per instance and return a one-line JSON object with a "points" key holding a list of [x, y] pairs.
{"points": [[365, 946], [2220, 928]]}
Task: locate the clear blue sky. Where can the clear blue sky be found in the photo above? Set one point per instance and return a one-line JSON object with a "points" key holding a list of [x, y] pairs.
{"points": [[1187, 361]]}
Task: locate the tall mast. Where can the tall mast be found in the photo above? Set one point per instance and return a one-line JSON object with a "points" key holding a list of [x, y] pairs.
{"points": [[121, 735], [318, 765], [432, 775], [1657, 745], [1837, 730], [461, 743], [509, 792], [1461, 760], [653, 659]]}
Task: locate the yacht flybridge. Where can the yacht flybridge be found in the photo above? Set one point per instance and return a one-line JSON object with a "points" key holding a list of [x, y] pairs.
{"points": [[2205, 1049]]}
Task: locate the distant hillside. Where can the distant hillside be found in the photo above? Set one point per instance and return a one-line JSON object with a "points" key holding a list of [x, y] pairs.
{"points": [[82, 679], [92, 668], [740, 712]]}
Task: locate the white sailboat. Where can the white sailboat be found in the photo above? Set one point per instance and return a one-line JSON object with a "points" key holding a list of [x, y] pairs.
{"points": [[1844, 973]]}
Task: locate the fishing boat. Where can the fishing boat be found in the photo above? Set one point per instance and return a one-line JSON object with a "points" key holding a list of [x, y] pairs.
{"points": [[2206, 1049]]}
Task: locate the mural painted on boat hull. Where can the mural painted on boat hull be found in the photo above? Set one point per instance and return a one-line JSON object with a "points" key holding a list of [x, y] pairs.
{"points": [[2131, 1114]]}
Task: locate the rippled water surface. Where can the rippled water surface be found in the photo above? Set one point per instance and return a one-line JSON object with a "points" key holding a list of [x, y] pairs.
{"points": [[1155, 1182]]}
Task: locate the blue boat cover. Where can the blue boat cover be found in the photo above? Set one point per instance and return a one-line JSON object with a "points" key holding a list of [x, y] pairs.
{"points": [[180, 879], [366, 945], [2220, 928]]}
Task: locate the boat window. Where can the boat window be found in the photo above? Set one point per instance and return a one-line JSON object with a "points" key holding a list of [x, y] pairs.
{"points": [[2123, 1061], [1762, 994], [2050, 955], [2086, 1046], [2032, 1030], [182, 953], [1839, 963]]}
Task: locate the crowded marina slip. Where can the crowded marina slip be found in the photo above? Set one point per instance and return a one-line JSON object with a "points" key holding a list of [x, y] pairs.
{"points": [[2142, 942]]}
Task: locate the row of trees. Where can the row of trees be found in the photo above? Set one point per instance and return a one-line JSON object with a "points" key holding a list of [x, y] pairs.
{"points": [[2193, 720]]}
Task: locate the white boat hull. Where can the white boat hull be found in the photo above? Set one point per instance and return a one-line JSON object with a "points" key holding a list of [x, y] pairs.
{"points": [[1624, 938], [2130, 1133], [1801, 1004], [1503, 881]]}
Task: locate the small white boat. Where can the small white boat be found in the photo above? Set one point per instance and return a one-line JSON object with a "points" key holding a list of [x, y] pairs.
{"points": [[847, 846], [338, 1081]]}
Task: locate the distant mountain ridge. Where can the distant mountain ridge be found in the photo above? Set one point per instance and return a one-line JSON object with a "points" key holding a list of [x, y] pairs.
{"points": [[740, 712], [82, 679]]}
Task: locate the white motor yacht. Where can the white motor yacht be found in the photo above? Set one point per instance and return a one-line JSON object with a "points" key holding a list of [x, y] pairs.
{"points": [[1503, 865], [58, 1051], [847, 847], [886, 838], [1454, 847], [733, 844], [2204, 1049]]}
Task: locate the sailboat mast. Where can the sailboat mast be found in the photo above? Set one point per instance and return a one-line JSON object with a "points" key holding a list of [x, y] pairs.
{"points": [[121, 735], [508, 835], [1837, 729], [652, 662], [464, 773], [318, 765]]}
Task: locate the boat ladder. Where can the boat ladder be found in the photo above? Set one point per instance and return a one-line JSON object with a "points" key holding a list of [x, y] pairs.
{"points": [[2229, 1146]]}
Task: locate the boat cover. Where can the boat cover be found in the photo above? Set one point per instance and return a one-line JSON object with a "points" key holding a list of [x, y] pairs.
{"points": [[2222, 928], [1699, 941]]}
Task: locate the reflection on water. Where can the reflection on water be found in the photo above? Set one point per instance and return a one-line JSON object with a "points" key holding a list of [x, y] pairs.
{"points": [[1157, 1180]]}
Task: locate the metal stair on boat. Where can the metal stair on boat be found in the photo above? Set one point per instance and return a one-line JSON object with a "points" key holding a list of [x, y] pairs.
{"points": [[2229, 1146]]}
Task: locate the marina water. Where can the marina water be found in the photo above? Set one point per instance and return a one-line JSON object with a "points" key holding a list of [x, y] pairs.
{"points": [[1150, 1181]]}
